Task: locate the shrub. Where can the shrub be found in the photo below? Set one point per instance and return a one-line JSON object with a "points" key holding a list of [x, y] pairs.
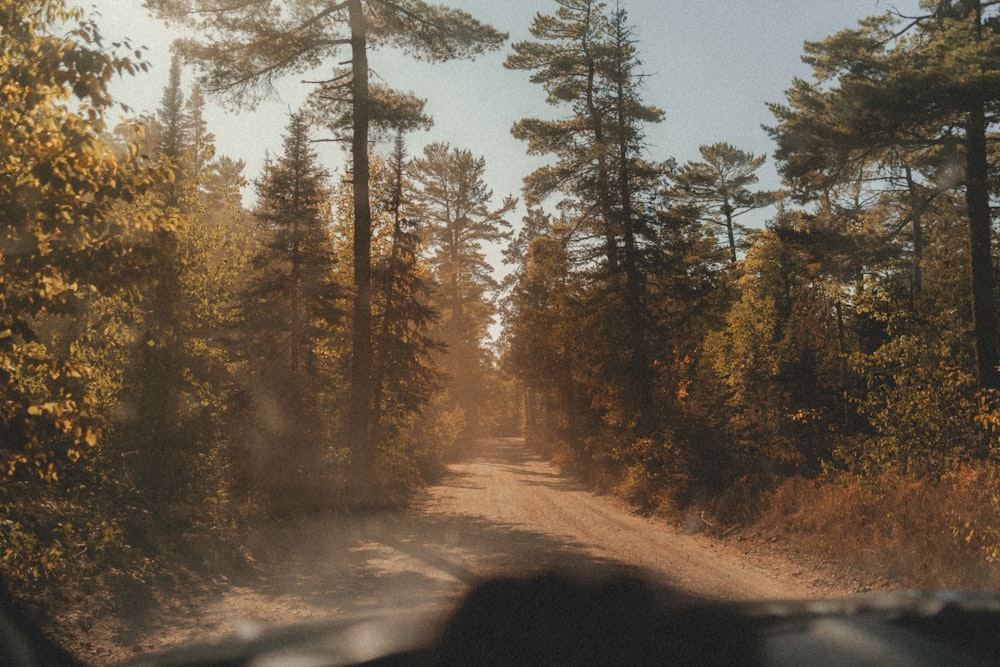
{"points": [[937, 533]]}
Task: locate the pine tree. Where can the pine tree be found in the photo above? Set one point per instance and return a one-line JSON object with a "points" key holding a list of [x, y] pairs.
{"points": [[904, 99], [200, 141], [289, 310], [543, 330], [449, 196], [248, 46], [586, 59], [172, 313], [173, 132], [405, 375], [717, 187]]}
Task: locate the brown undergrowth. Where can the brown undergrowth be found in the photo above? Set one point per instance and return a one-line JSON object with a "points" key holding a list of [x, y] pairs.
{"points": [[892, 532], [941, 533]]}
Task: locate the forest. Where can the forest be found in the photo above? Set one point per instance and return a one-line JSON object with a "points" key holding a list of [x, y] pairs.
{"points": [[177, 364]]}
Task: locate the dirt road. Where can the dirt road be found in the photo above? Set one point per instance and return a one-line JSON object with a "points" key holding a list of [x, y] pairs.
{"points": [[501, 510], [558, 522]]}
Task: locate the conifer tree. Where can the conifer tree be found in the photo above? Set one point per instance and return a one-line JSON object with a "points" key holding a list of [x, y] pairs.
{"points": [[201, 142], [405, 374], [907, 95], [171, 113], [717, 186], [246, 47], [171, 312], [289, 310], [449, 196], [586, 59]]}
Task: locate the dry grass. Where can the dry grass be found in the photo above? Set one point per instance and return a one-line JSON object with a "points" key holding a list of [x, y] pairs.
{"points": [[942, 533]]}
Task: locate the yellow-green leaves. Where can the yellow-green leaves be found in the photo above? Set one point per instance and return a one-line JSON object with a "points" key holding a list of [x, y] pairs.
{"points": [[60, 243]]}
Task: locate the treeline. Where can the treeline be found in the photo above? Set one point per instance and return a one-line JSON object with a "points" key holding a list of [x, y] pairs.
{"points": [[175, 363], [851, 341]]}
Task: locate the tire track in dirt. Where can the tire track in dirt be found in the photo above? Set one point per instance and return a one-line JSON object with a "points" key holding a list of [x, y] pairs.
{"points": [[500, 510], [502, 482]]}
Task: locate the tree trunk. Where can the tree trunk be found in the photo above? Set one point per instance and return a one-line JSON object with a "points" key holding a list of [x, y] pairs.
{"points": [[727, 210], [360, 415], [639, 377], [916, 271], [984, 310], [603, 179]]}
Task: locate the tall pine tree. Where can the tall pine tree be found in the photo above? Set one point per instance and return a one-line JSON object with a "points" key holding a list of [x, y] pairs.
{"points": [[585, 58], [449, 196], [902, 98], [246, 47], [289, 310]]}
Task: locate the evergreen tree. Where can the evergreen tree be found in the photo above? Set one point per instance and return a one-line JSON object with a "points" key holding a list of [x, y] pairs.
{"points": [[405, 375], [173, 132], [544, 332], [449, 196], [908, 97], [289, 310], [586, 59], [170, 405], [171, 114], [248, 46], [717, 187]]}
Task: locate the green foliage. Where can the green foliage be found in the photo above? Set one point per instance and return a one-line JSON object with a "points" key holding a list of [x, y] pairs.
{"points": [[781, 358], [920, 399], [165, 371], [61, 244], [583, 313], [54, 536], [717, 188], [406, 376], [911, 103], [245, 49], [656, 472], [288, 312]]}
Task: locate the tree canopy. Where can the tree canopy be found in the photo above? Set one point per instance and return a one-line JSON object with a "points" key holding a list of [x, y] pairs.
{"points": [[59, 181]]}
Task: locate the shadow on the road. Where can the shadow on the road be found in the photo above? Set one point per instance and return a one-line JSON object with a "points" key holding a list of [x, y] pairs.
{"points": [[325, 566], [463, 480], [410, 558], [404, 559]]}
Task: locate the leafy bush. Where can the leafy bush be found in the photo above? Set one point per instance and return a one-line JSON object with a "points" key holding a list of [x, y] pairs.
{"points": [[52, 537], [922, 407], [933, 533]]}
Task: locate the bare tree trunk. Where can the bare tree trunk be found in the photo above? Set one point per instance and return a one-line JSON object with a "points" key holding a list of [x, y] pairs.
{"points": [[360, 415], [982, 282], [727, 210]]}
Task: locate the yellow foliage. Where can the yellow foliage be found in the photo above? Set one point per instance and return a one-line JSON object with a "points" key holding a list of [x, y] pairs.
{"points": [[59, 180]]}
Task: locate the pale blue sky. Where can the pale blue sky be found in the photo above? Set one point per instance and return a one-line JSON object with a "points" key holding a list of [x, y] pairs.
{"points": [[712, 65]]}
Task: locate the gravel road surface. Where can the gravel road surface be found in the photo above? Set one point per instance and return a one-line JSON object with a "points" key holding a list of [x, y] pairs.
{"points": [[501, 510]]}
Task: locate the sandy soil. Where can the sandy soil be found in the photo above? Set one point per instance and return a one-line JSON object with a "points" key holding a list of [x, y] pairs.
{"points": [[501, 510], [509, 487]]}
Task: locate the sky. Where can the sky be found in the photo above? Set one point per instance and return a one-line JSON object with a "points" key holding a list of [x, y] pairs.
{"points": [[711, 65]]}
